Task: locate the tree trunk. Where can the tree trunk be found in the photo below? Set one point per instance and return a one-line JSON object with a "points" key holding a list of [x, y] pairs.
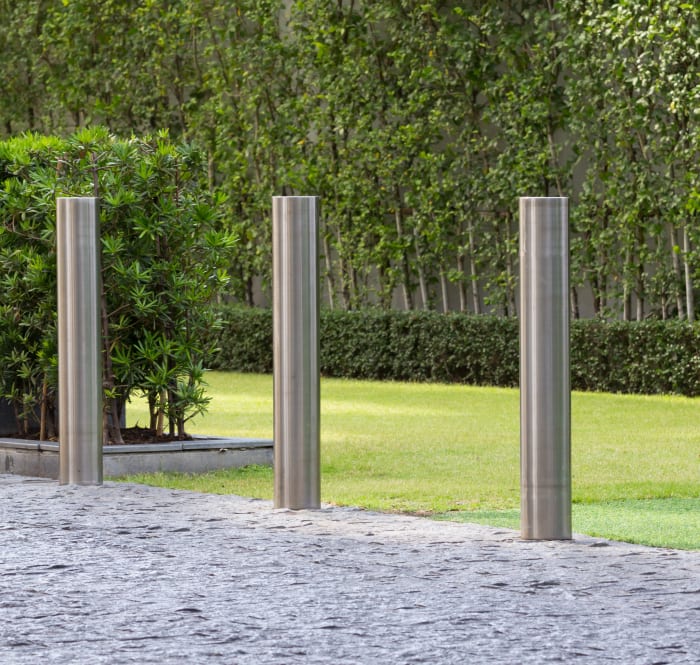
{"points": [[689, 296], [160, 416], [511, 309], [444, 291], [44, 408], [626, 291], [405, 267], [460, 284], [330, 282], [422, 281], [344, 275], [676, 271], [476, 298], [573, 298]]}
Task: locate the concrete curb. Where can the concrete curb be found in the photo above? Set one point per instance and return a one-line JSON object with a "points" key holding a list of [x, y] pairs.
{"points": [[40, 458]]}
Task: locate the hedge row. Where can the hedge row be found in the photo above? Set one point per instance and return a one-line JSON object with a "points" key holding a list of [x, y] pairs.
{"points": [[629, 357]]}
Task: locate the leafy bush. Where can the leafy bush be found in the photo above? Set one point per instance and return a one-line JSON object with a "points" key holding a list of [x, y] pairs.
{"points": [[629, 357], [244, 340], [164, 258]]}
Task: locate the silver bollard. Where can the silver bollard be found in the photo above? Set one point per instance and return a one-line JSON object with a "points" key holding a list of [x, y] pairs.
{"points": [[295, 289], [79, 341], [545, 394]]}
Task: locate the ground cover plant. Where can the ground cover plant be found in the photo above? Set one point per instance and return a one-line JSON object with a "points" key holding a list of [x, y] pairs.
{"points": [[446, 450]]}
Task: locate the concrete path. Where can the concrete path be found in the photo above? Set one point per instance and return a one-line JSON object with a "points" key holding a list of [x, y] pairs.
{"points": [[132, 574]]}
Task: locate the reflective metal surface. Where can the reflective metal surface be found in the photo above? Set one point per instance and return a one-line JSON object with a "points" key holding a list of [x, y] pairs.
{"points": [[79, 341], [295, 338], [545, 395]]}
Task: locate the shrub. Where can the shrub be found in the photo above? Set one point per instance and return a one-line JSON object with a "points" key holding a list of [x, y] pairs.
{"points": [[163, 260], [629, 357]]}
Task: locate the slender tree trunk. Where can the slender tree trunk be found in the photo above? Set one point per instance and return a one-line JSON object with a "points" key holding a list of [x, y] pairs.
{"points": [[160, 414], [689, 295], [424, 294], [152, 411], [444, 291], [330, 282], [641, 290], [250, 292], [461, 282], [44, 409], [627, 304], [676, 271], [405, 267], [573, 298], [511, 309], [626, 290], [344, 274], [603, 293], [385, 288], [171, 417], [476, 297], [355, 297], [595, 292], [422, 281]]}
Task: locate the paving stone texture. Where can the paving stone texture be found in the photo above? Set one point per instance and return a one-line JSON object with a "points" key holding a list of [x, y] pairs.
{"points": [[131, 574]]}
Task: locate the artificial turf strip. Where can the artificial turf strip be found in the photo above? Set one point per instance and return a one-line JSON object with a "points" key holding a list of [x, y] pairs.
{"points": [[673, 523]]}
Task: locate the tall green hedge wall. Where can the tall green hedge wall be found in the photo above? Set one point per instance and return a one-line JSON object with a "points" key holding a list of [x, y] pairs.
{"points": [[628, 357], [419, 122]]}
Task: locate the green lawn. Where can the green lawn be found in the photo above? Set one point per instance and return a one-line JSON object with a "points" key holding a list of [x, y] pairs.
{"points": [[436, 449]]}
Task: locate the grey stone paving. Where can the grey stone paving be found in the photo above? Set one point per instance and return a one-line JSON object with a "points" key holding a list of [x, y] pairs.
{"points": [[132, 574]]}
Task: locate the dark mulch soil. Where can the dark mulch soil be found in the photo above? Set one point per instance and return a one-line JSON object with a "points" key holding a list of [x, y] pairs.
{"points": [[131, 436], [134, 435]]}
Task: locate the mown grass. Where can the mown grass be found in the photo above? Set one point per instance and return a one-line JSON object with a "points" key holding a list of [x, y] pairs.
{"points": [[438, 449]]}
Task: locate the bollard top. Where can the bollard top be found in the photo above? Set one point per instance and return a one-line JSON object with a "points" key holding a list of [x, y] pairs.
{"points": [[544, 198]]}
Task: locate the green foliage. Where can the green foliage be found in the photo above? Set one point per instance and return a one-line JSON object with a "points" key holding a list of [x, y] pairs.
{"points": [[648, 357], [637, 357], [164, 258], [384, 345], [244, 340], [419, 123]]}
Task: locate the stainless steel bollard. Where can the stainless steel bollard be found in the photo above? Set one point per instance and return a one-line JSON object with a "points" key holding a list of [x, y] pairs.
{"points": [[79, 341], [545, 394], [295, 287]]}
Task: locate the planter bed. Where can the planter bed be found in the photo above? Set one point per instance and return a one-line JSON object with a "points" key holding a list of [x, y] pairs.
{"points": [[40, 458]]}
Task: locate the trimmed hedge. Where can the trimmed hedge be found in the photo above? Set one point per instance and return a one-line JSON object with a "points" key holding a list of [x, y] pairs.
{"points": [[646, 357]]}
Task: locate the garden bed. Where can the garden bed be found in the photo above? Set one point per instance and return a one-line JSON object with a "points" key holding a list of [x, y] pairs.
{"points": [[194, 455]]}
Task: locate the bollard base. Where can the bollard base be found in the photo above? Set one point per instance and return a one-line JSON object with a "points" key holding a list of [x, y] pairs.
{"points": [[545, 514]]}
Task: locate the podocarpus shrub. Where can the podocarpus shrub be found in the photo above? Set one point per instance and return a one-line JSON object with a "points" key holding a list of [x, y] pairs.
{"points": [[628, 357], [164, 257]]}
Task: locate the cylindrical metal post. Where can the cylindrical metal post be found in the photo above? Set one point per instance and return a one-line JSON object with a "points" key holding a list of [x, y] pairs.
{"points": [[79, 341], [545, 395], [295, 289]]}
